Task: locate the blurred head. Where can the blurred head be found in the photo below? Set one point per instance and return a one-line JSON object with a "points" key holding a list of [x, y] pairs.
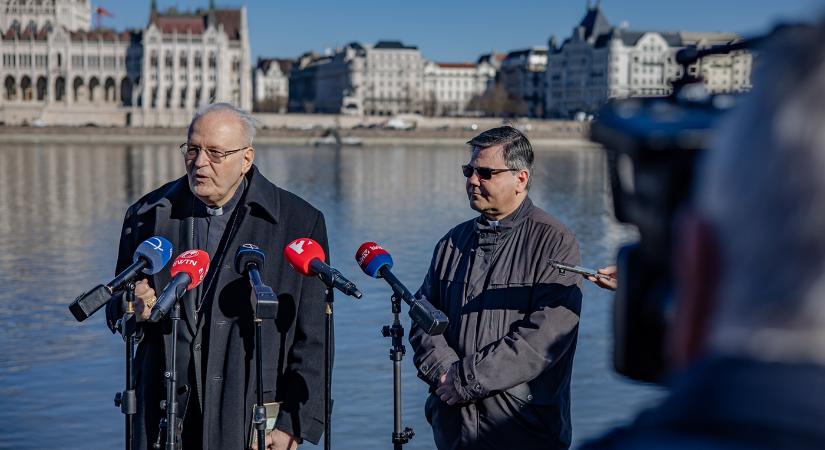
{"points": [[508, 153], [220, 151], [752, 265]]}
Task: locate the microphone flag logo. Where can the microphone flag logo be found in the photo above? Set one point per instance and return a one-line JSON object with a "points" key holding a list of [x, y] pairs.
{"points": [[297, 245], [188, 254], [156, 243]]}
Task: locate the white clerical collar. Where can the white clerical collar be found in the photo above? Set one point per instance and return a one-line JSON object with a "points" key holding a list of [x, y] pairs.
{"points": [[214, 211]]}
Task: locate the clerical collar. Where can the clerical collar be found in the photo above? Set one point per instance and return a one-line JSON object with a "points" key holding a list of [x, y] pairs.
{"points": [[229, 206], [486, 225], [214, 211]]}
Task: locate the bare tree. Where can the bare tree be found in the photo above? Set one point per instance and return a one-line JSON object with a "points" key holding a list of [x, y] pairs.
{"points": [[496, 101]]}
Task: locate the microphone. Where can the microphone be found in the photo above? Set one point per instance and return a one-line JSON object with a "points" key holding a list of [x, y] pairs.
{"points": [[307, 258], [376, 262], [188, 270], [150, 257], [249, 261]]}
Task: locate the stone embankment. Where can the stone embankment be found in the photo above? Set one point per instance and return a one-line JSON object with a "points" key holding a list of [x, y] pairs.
{"points": [[307, 129]]}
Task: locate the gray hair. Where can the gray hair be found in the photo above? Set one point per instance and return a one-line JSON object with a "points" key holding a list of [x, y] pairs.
{"points": [[762, 188], [518, 153], [247, 121]]}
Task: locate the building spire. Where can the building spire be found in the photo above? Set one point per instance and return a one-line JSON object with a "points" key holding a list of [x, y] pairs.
{"points": [[211, 5], [153, 6]]}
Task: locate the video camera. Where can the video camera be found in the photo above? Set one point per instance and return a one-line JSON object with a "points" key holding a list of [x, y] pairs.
{"points": [[652, 146]]}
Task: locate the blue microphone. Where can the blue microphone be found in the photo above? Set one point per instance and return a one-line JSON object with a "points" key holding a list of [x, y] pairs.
{"points": [[150, 257], [377, 263]]}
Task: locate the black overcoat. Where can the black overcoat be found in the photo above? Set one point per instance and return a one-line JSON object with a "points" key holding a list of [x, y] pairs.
{"points": [[219, 339]]}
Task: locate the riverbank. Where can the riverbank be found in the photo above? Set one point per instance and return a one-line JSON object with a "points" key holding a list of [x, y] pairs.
{"points": [[551, 134]]}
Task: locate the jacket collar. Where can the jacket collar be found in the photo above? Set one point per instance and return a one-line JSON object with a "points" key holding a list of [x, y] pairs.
{"points": [[261, 194], [515, 218], [491, 234]]}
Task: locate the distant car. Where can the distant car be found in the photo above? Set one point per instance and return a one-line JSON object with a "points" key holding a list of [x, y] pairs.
{"points": [[472, 127], [399, 124], [39, 123]]}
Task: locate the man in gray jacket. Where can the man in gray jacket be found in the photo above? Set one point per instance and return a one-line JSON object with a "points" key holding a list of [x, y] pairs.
{"points": [[500, 375]]}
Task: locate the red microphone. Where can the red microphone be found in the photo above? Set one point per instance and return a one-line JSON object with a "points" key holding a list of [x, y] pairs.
{"points": [[307, 258], [188, 271]]}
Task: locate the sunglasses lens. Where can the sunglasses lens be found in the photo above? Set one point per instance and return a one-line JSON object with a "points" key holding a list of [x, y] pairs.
{"points": [[484, 173]]}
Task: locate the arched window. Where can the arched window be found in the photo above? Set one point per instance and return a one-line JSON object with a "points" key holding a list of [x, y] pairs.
{"points": [[78, 87], [126, 91], [11, 88], [60, 89], [26, 88], [42, 89], [94, 89], [110, 90]]}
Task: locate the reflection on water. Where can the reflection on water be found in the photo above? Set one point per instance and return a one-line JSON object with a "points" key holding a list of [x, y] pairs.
{"points": [[62, 208]]}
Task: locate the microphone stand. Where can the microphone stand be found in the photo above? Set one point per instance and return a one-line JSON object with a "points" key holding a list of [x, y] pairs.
{"points": [[266, 308], [328, 372], [396, 332], [126, 400], [170, 422]]}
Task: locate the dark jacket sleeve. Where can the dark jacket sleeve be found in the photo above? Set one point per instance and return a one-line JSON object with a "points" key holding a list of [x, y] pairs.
{"points": [[536, 342], [432, 355], [302, 386], [126, 249]]}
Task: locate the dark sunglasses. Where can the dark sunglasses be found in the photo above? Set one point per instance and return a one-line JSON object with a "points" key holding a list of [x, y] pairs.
{"points": [[484, 173]]}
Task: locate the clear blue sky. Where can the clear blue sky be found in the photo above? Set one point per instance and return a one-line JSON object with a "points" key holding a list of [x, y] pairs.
{"points": [[460, 30]]}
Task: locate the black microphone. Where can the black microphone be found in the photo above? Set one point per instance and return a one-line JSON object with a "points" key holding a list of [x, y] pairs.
{"points": [[307, 258], [376, 262], [249, 261], [188, 271], [150, 257]]}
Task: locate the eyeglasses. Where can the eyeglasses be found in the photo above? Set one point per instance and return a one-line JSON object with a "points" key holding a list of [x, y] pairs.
{"points": [[484, 173], [190, 152]]}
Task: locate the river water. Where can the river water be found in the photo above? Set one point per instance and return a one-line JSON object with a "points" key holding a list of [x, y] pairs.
{"points": [[61, 209]]}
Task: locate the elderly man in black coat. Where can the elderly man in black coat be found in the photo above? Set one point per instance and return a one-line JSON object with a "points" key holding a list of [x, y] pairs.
{"points": [[222, 203]]}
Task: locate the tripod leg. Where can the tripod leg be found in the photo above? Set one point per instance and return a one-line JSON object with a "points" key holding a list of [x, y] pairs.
{"points": [[328, 378]]}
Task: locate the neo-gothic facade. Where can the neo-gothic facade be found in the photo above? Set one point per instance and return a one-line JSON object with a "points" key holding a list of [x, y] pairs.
{"points": [[156, 76]]}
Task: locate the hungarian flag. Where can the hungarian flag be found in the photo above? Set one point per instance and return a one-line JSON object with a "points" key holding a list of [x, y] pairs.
{"points": [[101, 11]]}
